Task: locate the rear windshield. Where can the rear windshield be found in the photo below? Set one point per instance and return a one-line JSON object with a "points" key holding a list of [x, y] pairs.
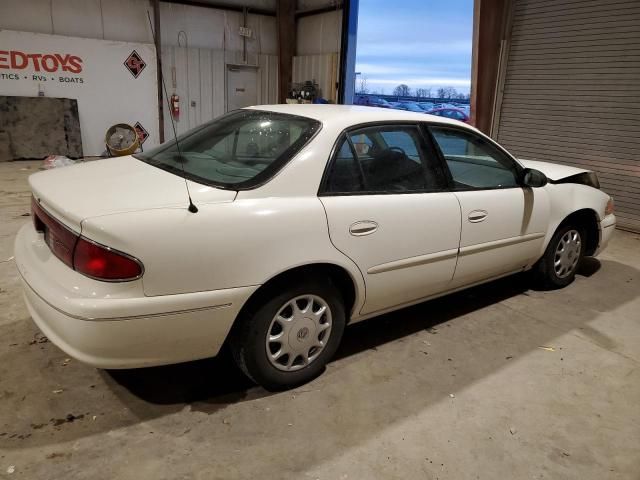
{"points": [[239, 150]]}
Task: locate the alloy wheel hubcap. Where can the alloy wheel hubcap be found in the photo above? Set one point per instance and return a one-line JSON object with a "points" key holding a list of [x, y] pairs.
{"points": [[567, 254], [298, 333]]}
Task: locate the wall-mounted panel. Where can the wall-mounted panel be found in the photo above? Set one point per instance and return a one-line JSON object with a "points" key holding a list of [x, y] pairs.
{"points": [[36, 127]]}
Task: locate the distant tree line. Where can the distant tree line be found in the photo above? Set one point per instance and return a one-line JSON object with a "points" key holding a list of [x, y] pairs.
{"points": [[404, 90]]}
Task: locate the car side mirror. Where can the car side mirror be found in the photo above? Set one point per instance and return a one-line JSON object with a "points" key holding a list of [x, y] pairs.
{"points": [[534, 178]]}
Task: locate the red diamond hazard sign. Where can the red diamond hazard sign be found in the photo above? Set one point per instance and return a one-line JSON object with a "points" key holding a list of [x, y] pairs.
{"points": [[142, 133], [135, 64]]}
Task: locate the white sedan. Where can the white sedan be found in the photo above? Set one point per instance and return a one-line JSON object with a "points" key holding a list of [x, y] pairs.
{"points": [[301, 219]]}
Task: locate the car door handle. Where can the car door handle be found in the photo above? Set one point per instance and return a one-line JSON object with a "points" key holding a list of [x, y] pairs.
{"points": [[477, 216], [363, 227]]}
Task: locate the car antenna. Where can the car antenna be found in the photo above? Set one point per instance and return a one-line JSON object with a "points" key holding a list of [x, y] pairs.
{"points": [[192, 208]]}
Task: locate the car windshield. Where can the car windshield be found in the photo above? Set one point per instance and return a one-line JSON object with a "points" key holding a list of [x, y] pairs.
{"points": [[239, 150]]}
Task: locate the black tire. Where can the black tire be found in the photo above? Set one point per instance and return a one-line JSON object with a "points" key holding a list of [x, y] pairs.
{"points": [[248, 339], [545, 271]]}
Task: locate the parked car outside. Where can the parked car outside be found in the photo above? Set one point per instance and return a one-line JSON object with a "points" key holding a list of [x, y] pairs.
{"points": [[301, 219], [426, 106], [409, 106], [453, 113], [371, 101]]}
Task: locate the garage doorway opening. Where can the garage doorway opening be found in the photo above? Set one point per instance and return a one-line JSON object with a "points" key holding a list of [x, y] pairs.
{"points": [[415, 56]]}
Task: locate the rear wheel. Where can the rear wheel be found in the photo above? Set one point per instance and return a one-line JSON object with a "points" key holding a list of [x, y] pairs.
{"points": [[287, 339], [557, 268]]}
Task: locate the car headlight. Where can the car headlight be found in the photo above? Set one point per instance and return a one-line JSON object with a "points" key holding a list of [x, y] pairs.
{"points": [[610, 207]]}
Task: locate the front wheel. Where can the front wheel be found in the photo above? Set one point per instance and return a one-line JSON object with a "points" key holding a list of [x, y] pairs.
{"points": [[557, 268], [290, 336]]}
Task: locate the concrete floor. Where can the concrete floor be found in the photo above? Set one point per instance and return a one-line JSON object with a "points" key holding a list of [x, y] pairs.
{"points": [[456, 388]]}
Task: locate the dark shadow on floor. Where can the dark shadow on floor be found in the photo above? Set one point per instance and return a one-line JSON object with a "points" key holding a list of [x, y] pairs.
{"points": [[219, 381], [189, 382], [128, 397]]}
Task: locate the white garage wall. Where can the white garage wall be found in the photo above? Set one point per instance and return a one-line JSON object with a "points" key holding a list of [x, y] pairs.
{"points": [[216, 29], [211, 36], [323, 69], [318, 34], [198, 76], [122, 98], [126, 21], [318, 39], [120, 20]]}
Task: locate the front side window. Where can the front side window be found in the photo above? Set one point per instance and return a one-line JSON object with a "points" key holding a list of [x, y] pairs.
{"points": [[473, 161], [239, 150], [385, 159]]}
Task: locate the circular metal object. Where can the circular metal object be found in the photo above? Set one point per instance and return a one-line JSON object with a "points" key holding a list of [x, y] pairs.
{"points": [[298, 332], [567, 254], [122, 139]]}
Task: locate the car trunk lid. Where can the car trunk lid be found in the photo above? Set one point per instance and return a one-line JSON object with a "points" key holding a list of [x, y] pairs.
{"points": [[115, 185]]}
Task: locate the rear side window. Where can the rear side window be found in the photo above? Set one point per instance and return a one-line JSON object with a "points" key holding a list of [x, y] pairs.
{"points": [[382, 159]]}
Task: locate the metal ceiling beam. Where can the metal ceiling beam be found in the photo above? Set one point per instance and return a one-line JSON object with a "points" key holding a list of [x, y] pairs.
{"points": [[316, 11], [222, 6]]}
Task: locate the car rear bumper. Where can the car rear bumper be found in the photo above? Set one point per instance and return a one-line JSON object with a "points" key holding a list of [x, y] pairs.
{"points": [[607, 227], [121, 329]]}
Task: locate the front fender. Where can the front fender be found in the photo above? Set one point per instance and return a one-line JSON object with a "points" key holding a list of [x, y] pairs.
{"points": [[567, 198]]}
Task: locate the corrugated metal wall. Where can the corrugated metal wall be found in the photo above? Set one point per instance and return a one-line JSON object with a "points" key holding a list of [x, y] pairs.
{"points": [[572, 92]]}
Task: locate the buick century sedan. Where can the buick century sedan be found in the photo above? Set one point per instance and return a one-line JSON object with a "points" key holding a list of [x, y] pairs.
{"points": [[271, 228]]}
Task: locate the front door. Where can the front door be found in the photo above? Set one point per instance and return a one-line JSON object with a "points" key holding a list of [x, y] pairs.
{"points": [[503, 224], [388, 210]]}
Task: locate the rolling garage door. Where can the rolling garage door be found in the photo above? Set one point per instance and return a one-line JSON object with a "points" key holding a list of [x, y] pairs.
{"points": [[572, 92]]}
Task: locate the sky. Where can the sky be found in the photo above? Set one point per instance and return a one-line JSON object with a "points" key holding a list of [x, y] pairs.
{"points": [[421, 43]]}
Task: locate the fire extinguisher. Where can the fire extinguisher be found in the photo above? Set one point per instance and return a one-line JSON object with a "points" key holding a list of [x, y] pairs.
{"points": [[175, 106]]}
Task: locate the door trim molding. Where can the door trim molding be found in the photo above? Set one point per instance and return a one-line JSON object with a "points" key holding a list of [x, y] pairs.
{"points": [[481, 247], [413, 261]]}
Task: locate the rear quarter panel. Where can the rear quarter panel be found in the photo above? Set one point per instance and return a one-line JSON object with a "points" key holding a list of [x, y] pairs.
{"points": [[242, 243]]}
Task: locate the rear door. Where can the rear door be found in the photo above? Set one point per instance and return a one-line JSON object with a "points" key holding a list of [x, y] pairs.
{"points": [[388, 209], [503, 223]]}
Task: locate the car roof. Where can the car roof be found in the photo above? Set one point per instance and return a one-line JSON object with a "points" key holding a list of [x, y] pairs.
{"points": [[347, 115]]}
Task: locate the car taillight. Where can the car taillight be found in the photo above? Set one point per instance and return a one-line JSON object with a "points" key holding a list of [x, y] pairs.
{"points": [[60, 239], [84, 256], [103, 263], [610, 207]]}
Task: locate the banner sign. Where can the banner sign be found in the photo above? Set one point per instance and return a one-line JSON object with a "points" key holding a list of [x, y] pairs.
{"points": [[113, 82]]}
